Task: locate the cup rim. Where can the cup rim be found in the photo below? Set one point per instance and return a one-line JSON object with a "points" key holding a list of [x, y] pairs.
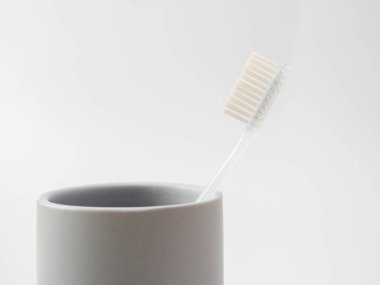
{"points": [[43, 199]]}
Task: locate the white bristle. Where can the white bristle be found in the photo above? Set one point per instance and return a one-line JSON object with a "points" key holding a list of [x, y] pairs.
{"points": [[254, 90]]}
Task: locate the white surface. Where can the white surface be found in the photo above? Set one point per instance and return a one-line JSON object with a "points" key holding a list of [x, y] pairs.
{"points": [[95, 91]]}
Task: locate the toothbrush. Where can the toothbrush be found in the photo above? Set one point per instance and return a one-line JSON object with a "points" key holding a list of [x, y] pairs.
{"points": [[249, 102]]}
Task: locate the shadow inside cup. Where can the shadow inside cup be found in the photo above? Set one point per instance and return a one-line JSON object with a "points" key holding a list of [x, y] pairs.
{"points": [[113, 196]]}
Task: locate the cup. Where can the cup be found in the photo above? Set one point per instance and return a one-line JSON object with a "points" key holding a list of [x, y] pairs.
{"points": [[129, 234]]}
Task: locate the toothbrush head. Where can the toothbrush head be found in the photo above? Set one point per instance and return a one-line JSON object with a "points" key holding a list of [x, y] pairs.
{"points": [[255, 90]]}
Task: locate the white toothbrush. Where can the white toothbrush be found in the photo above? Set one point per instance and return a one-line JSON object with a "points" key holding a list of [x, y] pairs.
{"points": [[249, 102]]}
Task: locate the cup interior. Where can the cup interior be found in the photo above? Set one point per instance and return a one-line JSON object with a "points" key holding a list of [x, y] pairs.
{"points": [[113, 196]]}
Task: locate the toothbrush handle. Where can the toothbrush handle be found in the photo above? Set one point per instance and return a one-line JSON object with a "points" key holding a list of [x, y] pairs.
{"points": [[236, 154]]}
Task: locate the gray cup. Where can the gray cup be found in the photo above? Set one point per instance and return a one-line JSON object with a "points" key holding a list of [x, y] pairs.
{"points": [[129, 234]]}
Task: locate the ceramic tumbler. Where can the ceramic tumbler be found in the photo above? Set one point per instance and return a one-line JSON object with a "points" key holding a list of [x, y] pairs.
{"points": [[129, 234]]}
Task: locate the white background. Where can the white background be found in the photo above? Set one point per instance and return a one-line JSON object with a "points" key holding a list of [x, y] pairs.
{"points": [[105, 91]]}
